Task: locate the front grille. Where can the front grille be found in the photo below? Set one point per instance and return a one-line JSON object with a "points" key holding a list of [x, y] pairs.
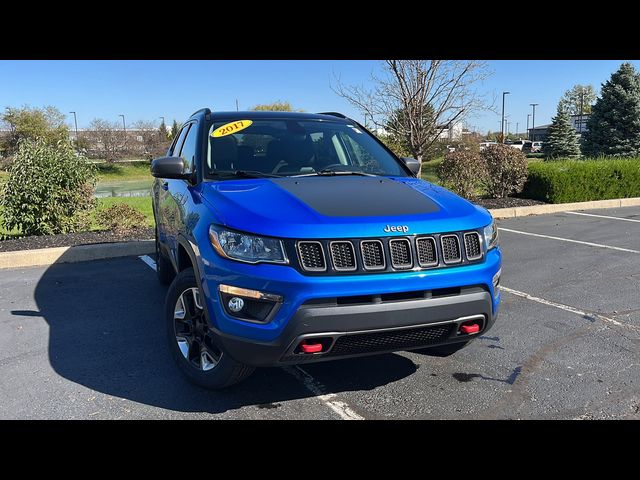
{"points": [[427, 254], [450, 248], [400, 253], [472, 246], [372, 254], [312, 256], [343, 256], [390, 340]]}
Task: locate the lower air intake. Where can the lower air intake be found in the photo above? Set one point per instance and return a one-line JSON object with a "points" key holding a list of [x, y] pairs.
{"points": [[390, 340]]}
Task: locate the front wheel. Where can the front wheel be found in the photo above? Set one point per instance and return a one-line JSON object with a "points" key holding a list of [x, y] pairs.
{"points": [[191, 340]]}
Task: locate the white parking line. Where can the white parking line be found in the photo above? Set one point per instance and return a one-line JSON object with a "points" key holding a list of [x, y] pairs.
{"points": [[569, 240], [563, 307], [341, 408], [149, 261], [605, 216]]}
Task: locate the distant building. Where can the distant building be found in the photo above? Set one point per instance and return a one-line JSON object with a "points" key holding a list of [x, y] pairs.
{"points": [[578, 122], [449, 131]]}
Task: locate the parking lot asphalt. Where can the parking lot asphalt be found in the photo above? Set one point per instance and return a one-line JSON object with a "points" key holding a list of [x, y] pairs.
{"points": [[86, 341]]}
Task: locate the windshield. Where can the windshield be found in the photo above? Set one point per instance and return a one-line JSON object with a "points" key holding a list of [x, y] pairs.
{"points": [[288, 147]]}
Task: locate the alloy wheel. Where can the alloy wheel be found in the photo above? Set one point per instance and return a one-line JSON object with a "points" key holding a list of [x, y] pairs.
{"points": [[193, 334]]}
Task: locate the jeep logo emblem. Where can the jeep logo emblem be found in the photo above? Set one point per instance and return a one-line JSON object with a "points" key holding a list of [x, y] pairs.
{"points": [[396, 228]]}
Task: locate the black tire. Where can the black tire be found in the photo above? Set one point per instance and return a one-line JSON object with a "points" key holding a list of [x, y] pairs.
{"points": [[444, 350], [204, 363], [164, 268]]}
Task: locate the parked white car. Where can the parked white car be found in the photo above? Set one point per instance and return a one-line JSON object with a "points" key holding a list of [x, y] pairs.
{"points": [[522, 145], [536, 147]]}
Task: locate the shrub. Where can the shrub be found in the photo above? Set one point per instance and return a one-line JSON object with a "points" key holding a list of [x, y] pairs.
{"points": [[462, 172], [506, 170], [565, 181], [49, 189], [121, 218]]}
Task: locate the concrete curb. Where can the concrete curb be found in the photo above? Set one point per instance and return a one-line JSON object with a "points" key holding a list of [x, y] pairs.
{"points": [[563, 207], [80, 253]]}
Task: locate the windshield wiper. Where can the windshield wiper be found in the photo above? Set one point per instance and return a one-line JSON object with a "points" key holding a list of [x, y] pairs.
{"points": [[328, 172], [244, 174]]}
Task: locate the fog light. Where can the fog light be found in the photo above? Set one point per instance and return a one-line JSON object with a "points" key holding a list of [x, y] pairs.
{"points": [[236, 304], [249, 305]]}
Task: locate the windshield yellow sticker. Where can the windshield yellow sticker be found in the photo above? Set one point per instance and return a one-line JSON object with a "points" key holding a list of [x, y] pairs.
{"points": [[230, 128]]}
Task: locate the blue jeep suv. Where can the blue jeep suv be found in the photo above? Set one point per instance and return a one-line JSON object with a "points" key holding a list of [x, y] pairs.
{"points": [[289, 238]]}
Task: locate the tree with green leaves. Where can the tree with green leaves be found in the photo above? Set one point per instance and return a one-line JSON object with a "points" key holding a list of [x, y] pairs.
{"points": [[561, 141], [277, 106], [414, 142], [614, 126], [162, 131], [27, 123], [578, 98], [174, 130], [49, 189]]}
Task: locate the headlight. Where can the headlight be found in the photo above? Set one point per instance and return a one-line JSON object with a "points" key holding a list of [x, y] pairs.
{"points": [[245, 247], [491, 235]]}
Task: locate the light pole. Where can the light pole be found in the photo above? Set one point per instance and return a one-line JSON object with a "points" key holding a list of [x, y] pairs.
{"points": [[503, 95], [533, 120], [75, 121], [528, 117], [124, 125], [517, 124]]}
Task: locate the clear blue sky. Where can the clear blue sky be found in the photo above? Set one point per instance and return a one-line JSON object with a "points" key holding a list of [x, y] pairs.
{"points": [[174, 89]]}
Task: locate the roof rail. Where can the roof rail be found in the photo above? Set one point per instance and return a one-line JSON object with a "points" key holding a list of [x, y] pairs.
{"points": [[206, 111], [335, 114]]}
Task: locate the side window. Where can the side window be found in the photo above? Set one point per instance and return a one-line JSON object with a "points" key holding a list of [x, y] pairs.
{"points": [[175, 151], [189, 147]]}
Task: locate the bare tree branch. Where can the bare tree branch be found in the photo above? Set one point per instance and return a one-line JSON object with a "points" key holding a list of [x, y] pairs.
{"points": [[411, 99]]}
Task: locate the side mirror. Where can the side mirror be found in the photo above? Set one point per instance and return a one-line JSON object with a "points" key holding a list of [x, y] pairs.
{"points": [[169, 167], [413, 164]]}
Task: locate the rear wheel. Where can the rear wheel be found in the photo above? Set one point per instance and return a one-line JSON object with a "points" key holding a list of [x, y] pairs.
{"points": [[192, 342], [164, 269]]}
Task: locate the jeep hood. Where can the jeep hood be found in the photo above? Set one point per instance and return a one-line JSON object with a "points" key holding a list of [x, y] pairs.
{"points": [[339, 207]]}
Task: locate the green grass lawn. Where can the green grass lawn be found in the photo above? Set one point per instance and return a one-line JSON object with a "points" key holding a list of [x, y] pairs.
{"points": [[110, 172], [428, 171]]}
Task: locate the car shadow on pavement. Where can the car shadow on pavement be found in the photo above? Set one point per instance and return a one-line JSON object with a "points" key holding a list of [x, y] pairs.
{"points": [[106, 333]]}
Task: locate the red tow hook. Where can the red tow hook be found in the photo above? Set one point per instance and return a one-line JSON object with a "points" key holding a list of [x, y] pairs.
{"points": [[470, 328], [310, 347]]}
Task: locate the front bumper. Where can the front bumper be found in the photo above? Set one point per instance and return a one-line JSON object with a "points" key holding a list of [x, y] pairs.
{"points": [[312, 305], [356, 330]]}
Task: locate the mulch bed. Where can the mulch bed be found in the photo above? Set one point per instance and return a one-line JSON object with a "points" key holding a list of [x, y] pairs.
{"points": [[73, 239], [508, 202]]}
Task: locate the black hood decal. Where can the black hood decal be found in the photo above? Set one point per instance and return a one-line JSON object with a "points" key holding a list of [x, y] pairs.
{"points": [[356, 196]]}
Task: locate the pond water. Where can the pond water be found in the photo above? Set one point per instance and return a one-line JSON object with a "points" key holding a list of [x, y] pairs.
{"points": [[127, 188]]}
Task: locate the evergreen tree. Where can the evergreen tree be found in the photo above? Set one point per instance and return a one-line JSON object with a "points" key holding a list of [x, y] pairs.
{"points": [[174, 129], [614, 126], [561, 138], [162, 129]]}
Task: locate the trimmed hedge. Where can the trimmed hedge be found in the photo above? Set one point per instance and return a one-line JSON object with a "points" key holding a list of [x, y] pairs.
{"points": [[583, 180]]}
